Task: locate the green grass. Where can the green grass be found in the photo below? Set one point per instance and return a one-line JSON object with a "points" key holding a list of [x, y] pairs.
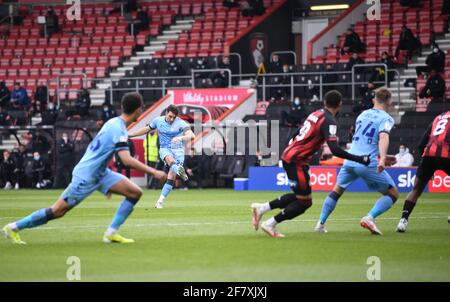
{"points": [[207, 236]]}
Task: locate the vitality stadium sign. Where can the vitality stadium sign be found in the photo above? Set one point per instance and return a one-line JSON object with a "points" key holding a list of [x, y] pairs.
{"points": [[209, 97]]}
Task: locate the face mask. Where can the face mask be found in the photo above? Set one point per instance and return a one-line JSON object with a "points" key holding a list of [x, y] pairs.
{"points": [[199, 61], [105, 108], [402, 150], [435, 50], [36, 157], [297, 102], [64, 138], [50, 106]]}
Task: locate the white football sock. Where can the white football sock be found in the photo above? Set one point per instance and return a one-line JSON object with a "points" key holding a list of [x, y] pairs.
{"points": [[110, 231], [161, 199], [265, 208], [271, 222], [13, 226]]}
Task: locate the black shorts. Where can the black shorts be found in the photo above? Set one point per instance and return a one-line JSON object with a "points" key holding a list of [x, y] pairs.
{"points": [[429, 165], [298, 175]]}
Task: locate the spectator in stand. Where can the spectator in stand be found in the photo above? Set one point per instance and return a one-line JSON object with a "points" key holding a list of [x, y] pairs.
{"points": [[434, 88], [379, 73], [38, 168], [285, 91], [253, 8], [50, 115], [108, 112], [5, 95], [353, 43], [19, 98], [83, 102], [368, 94], [66, 149], [142, 21], [151, 153], [82, 105], [230, 3], [51, 22], [403, 157], [355, 59], [436, 59], [7, 167], [296, 116], [408, 42], [38, 143], [221, 78], [275, 65], [20, 156], [40, 98], [5, 118]]}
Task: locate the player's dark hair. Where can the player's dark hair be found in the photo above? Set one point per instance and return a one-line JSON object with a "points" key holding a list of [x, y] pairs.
{"points": [[383, 95], [333, 99], [173, 109], [130, 102]]}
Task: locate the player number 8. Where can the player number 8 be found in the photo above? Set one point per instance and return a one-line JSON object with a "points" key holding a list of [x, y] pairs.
{"points": [[440, 127]]}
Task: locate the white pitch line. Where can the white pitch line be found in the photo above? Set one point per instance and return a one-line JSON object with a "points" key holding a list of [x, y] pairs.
{"points": [[183, 224]]}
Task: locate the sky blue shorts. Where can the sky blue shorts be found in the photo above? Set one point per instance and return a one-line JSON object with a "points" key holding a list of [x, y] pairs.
{"points": [[177, 154], [80, 188], [380, 182]]}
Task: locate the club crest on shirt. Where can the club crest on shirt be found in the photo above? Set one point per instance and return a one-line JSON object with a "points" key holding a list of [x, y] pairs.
{"points": [[123, 139], [388, 126], [333, 129]]}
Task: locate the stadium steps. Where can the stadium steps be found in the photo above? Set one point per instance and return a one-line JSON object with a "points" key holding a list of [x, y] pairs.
{"points": [[406, 102], [98, 93]]}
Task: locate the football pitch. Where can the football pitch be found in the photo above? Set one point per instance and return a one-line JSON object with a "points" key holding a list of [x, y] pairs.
{"points": [[206, 235]]}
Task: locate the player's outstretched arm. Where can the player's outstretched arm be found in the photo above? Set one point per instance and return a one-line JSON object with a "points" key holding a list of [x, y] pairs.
{"points": [[133, 163], [337, 151], [140, 132]]}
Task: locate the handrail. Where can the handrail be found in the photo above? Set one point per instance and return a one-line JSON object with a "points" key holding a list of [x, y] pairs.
{"points": [[367, 65], [289, 83], [233, 54], [58, 76]]}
